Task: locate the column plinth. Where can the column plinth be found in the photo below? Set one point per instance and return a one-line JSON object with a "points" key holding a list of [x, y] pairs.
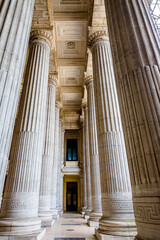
{"points": [[47, 160], [15, 25], [87, 162], [136, 56], [21, 197], [96, 213], [118, 217]]}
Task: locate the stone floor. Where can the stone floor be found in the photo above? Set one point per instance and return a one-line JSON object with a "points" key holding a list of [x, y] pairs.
{"points": [[70, 225]]}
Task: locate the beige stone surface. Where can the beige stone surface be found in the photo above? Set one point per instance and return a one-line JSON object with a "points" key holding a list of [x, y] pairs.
{"points": [[79, 231]]}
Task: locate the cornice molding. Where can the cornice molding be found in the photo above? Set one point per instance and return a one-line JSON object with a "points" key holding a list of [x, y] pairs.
{"points": [[97, 36], [42, 34]]}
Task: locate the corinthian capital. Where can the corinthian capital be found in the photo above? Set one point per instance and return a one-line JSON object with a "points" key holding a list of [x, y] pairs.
{"points": [[88, 80], [42, 34], [96, 37], [52, 79]]}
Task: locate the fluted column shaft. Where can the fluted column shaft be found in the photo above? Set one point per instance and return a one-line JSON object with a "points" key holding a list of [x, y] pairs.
{"points": [[84, 207], [15, 25], [138, 80], [94, 155], [48, 152], [59, 167], [87, 161], [62, 165], [55, 163], [22, 188], [115, 182]]}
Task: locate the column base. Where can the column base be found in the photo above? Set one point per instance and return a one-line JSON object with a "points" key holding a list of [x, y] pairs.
{"points": [[46, 219], [38, 235], [92, 223], [20, 226], [83, 213], [101, 236], [54, 213], [113, 229], [86, 216], [94, 218]]}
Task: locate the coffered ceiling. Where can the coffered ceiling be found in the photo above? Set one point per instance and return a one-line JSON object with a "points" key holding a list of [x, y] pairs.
{"points": [[70, 23]]}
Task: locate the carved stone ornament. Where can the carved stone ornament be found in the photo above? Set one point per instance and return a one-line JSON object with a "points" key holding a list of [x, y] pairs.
{"points": [[99, 35], [88, 80], [41, 34], [52, 79]]}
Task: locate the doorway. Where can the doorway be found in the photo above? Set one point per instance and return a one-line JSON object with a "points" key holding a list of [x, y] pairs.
{"points": [[71, 197]]}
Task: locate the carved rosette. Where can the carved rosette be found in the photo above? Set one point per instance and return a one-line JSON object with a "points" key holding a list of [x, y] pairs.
{"points": [[52, 79], [97, 37], [88, 80], [38, 35]]}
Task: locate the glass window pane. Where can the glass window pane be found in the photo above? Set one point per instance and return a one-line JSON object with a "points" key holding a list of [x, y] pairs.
{"points": [[69, 154], [74, 154]]}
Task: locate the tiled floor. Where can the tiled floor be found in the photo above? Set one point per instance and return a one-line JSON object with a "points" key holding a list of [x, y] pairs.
{"points": [[71, 226]]}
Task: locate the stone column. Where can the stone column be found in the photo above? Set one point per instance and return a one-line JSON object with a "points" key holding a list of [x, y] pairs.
{"points": [[48, 153], [20, 202], [137, 80], [81, 161], [59, 167], [118, 217], [87, 161], [94, 156], [84, 167], [62, 175], [15, 25], [55, 163]]}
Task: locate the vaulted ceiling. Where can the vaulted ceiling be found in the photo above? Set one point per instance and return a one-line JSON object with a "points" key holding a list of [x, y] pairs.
{"points": [[70, 22]]}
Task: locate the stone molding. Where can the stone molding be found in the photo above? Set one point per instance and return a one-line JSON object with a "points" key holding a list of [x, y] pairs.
{"points": [[88, 80], [97, 36], [52, 79], [42, 34]]}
